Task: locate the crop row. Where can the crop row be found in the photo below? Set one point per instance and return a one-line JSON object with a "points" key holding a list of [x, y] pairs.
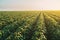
{"points": [[52, 27]]}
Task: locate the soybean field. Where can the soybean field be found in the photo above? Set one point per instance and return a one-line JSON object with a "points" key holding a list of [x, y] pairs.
{"points": [[29, 25]]}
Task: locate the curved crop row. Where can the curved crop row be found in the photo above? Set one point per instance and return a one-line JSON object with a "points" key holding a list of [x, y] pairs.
{"points": [[40, 30], [52, 28], [55, 17]]}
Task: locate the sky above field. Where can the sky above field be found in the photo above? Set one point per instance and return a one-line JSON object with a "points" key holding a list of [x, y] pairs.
{"points": [[29, 4]]}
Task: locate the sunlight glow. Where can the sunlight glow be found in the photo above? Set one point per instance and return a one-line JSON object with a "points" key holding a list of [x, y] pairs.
{"points": [[29, 4]]}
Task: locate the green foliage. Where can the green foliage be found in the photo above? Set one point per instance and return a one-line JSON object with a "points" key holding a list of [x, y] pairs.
{"points": [[29, 25]]}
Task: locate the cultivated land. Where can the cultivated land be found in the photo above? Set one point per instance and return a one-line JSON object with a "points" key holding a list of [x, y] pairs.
{"points": [[29, 25]]}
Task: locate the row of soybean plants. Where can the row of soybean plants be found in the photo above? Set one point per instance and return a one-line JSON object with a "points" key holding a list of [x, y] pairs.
{"points": [[57, 18], [30, 31], [40, 30], [17, 34], [52, 28]]}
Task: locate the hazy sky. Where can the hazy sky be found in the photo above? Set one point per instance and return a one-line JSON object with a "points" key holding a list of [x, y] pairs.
{"points": [[29, 4]]}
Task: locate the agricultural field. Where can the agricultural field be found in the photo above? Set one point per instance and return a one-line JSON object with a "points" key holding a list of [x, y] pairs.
{"points": [[29, 25]]}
